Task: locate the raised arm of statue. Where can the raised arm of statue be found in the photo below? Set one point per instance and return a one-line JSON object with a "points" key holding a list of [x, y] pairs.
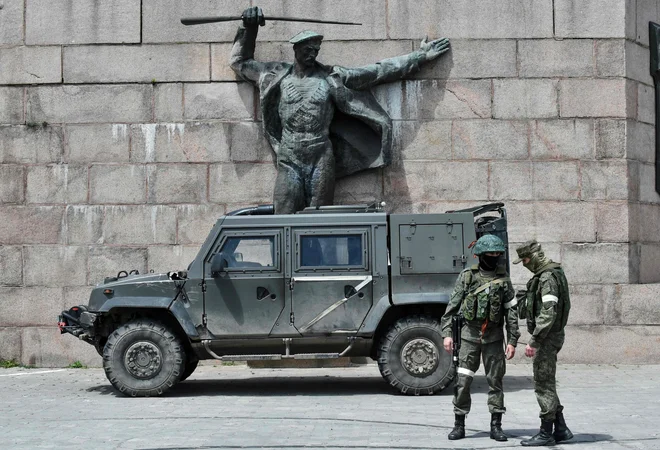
{"points": [[242, 53], [392, 69]]}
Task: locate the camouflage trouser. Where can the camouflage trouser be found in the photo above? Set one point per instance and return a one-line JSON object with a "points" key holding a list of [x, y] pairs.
{"points": [[545, 368], [495, 367]]}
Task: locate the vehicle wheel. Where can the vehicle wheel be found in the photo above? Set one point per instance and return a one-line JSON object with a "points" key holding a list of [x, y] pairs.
{"points": [[191, 365], [411, 356], [143, 358]]}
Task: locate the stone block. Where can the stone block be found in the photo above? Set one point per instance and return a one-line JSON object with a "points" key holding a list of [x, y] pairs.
{"points": [[89, 103], [638, 63], [55, 266], [171, 257], [649, 263], [590, 18], [371, 13], [639, 304], [589, 303], [31, 224], [565, 221], [11, 265], [30, 144], [562, 139], [30, 306], [597, 263], [11, 22], [487, 19], [473, 58], [82, 22], [556, 180], [422, 140], [248, 143], [647, 192], [127, 225], [242, 183], [84, 224], [611, 58], [522, 99], [511, 180], [108, 261], [97, 143], [10, 344], [605, 180], [646, 104], [117, 184], [196, 221], [420, 181], [610, 138], [11, 105], [551, 58], [595, 98], [435, 100], [226, 101], [30, 65], [613, 222], [490, 139], [180, 142], [161, 20], [46, 347], [363, 187], [61, 183], [607, 344], [520, 275], [640, 141], [136, 64], [76, 295], [648, 221], [12, 187], [647, 10], [168, 102], [177, 183]]}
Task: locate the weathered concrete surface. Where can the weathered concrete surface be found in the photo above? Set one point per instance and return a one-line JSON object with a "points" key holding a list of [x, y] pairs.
{"points": [[340, 408]]}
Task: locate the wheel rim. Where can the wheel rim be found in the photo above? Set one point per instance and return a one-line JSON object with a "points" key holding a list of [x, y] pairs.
{"points": [[143, 360], [420, 357]]}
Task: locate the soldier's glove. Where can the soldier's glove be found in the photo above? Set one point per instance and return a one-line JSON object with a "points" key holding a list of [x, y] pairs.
{"points": [[252, 17]]}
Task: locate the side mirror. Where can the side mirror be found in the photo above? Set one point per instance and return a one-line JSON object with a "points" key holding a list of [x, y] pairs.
{"points": [[219, 263]]}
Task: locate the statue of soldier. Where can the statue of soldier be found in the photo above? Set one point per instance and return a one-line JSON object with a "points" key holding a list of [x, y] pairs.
{"points": [[545, 305], [322, 122], [485, 297]]}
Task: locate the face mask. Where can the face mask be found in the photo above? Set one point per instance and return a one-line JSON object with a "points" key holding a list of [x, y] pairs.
{"points": [[536, 261], [488, 262]]}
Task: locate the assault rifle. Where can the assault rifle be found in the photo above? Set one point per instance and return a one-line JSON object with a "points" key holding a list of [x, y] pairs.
{"points": [[456, 325]]}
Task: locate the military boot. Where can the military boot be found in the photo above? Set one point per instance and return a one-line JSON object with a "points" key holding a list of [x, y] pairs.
{"points": [[459, 428], [562, 433], [496, 427], [543, 437]]}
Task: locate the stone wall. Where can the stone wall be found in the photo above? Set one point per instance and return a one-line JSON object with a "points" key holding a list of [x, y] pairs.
{"points": [[124, 135]]}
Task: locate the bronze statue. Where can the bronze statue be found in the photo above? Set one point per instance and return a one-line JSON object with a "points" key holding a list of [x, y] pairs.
{"points": [[322, 122]]}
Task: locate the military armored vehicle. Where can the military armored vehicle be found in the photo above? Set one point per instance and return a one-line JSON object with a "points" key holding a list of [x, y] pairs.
{"points": [[324, 283]]}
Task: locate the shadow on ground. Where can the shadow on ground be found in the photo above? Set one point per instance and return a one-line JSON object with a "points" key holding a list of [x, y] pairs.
{"points": [[313, 385]]}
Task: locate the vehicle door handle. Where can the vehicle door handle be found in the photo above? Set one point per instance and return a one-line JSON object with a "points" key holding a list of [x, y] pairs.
{"points": [[349, 291]]}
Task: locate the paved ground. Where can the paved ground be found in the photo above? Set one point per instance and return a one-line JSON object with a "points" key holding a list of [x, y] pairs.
{"points": [[220, 407]]}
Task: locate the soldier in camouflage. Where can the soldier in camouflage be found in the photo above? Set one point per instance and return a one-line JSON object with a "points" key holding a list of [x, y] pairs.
{"points": [[485, 296], [545, 305]]}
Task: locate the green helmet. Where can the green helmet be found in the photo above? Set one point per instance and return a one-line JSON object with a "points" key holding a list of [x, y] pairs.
{"points": [[489, 243]]}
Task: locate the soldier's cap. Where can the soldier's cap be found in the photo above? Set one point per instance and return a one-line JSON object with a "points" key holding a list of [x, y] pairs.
{"points": [[527, 250], [305, 36]]}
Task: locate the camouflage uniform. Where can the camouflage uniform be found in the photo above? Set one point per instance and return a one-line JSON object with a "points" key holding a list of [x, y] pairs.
{"points": [[487, 344]]}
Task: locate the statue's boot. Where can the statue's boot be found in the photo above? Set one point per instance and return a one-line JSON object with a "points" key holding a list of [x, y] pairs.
{"points": [[543, 437], [459, 428], [562, 433], [496, 428]]}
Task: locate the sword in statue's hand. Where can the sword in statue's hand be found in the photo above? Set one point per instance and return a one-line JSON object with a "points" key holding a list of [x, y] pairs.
{"points": [[201, 20]]}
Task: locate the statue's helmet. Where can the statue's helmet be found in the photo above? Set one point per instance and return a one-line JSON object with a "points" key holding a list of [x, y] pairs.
{"points": [[489, 243]]}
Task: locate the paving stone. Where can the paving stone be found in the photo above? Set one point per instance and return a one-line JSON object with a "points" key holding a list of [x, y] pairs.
{"points": [[139, 225], [11, 105], [490, 139], [194, 222], [180, 142], [12, 188], [31, 65], [227, 101], [128, 184], [562, 139], [82, 22], [62, 183], [30, 144], [177, 183], [97, 143], [11, 265], [141, 64], [55, 266], [31, 224], [108, 261], [551, 58]]}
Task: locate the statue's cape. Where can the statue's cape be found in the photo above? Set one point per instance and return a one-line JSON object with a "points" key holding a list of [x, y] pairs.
{"points": [[360, 132]]}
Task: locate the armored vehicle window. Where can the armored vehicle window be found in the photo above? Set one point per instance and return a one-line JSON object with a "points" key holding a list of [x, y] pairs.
{"points": [[245, 252], [331, 251]]}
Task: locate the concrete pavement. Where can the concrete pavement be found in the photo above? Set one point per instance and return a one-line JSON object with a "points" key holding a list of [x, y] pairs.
{"points": [[235, 407]]}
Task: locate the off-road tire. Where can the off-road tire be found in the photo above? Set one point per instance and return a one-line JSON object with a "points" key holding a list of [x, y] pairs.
{"points": [[390, 360], [190, 367], [147, 341]]}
